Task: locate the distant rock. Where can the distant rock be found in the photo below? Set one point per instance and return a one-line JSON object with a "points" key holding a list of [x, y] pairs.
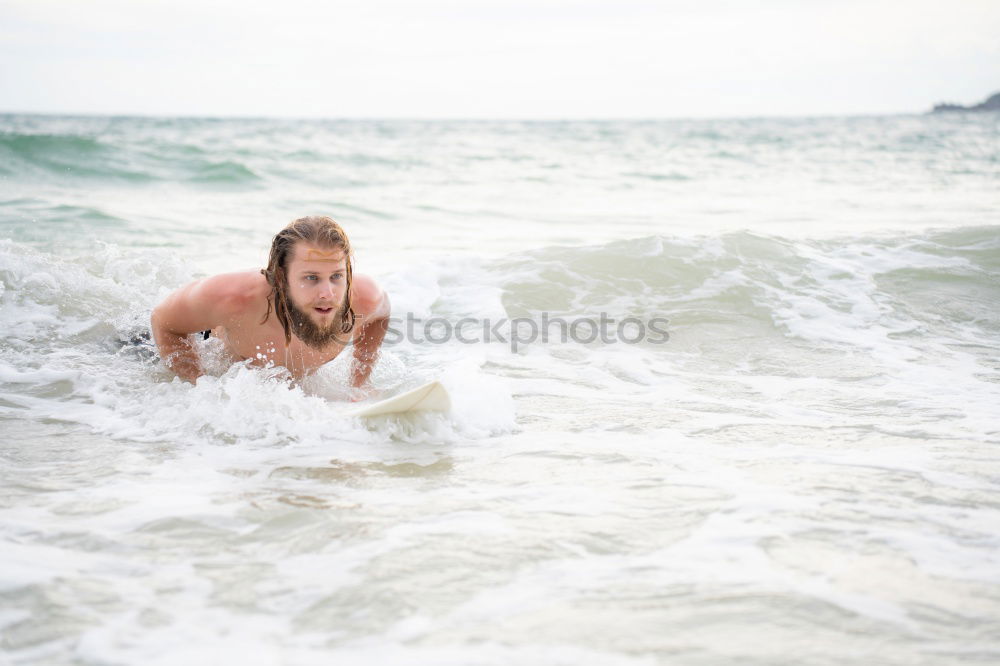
{"points": [[991, 104]]}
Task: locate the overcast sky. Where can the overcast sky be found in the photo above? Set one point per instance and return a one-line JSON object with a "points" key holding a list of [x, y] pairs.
{"points": [[496, 58]]}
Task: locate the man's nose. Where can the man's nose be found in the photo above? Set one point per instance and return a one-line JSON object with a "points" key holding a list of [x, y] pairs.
{"points": [[326, 291]]}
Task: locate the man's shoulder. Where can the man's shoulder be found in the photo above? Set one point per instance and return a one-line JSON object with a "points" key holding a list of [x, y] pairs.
{"points": [[367, 298], [236, 292]]}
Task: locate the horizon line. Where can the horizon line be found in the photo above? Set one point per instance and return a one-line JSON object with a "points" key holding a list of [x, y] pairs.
{"points": [[538, 119]]}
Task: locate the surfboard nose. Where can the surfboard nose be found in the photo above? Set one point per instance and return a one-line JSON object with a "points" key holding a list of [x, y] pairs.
{"points": [[432, 396]]}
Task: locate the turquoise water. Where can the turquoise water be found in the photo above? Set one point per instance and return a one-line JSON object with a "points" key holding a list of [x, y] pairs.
{"points": [[803, 470]]}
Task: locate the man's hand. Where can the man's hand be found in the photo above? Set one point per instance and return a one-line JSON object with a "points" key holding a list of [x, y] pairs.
{"points": [[362, 393]]}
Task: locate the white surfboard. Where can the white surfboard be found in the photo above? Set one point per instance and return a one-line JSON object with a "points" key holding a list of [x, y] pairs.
{"points": [[430, 397]]}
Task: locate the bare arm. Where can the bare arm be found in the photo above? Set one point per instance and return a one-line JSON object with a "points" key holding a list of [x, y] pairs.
{"points": [[371, 304], [199, 306]]}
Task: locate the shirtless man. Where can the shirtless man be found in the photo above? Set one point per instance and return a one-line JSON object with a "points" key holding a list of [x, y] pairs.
{"points": [[299, 312]]}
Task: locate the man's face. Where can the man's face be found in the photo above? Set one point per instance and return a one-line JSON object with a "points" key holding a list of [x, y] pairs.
{"points": [[317, 290]]}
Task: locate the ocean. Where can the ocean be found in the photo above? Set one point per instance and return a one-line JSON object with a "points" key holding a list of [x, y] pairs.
{"points": [[724, 391]]}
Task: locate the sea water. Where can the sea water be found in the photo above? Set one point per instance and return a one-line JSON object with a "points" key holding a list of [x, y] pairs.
{"points": [[760, 425]]}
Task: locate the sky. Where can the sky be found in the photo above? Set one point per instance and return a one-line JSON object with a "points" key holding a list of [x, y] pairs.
{"points": [[544, 59]]}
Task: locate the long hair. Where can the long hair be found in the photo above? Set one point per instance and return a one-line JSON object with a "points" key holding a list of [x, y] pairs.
{"points": [[317, 230]]}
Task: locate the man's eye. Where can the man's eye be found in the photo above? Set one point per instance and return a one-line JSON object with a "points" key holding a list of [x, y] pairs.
{"points": [[311, 277], [338, 276]]}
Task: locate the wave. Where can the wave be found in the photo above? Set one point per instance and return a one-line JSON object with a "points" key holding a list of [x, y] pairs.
{"points": [[67, 156], [29, 145], [904, 311], [59, 214], [109, 158], [227, 172], [748, 268]]}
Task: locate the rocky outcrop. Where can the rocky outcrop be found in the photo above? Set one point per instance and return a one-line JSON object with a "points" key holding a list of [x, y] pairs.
{"points": [[991, 104]]}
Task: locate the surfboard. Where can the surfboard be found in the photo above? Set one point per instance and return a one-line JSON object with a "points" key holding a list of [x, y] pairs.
{"points": [[430, 397]]}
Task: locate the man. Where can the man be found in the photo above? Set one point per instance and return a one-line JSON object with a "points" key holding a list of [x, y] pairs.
{"points": [[299, 312]]}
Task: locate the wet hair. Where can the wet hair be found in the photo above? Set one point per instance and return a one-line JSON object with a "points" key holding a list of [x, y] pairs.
{"points": [[320, 231]]}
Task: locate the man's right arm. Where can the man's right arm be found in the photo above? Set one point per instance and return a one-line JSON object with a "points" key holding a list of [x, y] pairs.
{"points": [[199, 306]]}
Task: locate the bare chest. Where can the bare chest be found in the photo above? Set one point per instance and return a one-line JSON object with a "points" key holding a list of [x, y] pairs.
{"points": [[264, 345]]}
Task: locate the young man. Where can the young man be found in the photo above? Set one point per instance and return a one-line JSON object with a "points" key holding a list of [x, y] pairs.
{"points": [[299, 312]]}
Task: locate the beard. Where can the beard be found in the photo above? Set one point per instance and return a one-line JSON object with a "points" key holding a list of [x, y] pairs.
{"points": [[311, 333]]}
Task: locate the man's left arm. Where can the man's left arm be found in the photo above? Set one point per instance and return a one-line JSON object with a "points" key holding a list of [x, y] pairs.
{"points": [[371, 305]]}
